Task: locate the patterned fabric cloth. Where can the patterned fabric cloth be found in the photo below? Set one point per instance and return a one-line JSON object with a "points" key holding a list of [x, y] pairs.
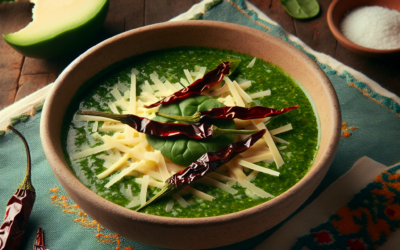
{"points": [[371, 121]]}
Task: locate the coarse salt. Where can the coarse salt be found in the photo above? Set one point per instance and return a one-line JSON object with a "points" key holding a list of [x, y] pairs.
{"points": [[373, 27]]}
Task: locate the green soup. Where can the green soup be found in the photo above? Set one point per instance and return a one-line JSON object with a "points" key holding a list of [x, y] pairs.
{"points": [[169, 65]]}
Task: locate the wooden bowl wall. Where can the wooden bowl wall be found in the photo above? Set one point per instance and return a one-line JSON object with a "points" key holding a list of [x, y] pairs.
{"points": [[191, 232]]}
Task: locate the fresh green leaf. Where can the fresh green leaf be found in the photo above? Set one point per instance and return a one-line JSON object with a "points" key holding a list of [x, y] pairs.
{"points": [[234, 64], [301, 9], [182, 150]]}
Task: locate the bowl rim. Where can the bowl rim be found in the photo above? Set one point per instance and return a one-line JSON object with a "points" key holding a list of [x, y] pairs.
{"points": [[48, 146], [346, 42]]}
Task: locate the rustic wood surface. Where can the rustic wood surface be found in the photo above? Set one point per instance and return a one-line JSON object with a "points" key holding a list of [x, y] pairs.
{"points": [[20, 76]]}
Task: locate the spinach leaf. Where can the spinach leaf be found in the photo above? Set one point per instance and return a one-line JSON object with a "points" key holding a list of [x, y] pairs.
{"points": [[301, 9], [182, 150]]}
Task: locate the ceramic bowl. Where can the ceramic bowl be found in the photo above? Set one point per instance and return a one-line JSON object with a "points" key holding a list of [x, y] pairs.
{"points": [[192, 232], [339, 8]]}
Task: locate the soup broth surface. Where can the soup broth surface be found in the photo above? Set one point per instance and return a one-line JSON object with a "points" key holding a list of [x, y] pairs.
{"points": [[169, 65]]}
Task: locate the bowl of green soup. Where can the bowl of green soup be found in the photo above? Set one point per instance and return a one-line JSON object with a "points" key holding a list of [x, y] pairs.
{"points": [[110, 170]]}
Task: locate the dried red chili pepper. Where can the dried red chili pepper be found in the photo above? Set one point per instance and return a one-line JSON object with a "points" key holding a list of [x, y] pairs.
{"points": [[209, 80], [39, 241], [19, 207], [150, 127], [229, 113], [207, 163]]}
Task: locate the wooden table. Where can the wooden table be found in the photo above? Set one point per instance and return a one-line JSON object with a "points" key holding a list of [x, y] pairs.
{"points": [[20, 76]]}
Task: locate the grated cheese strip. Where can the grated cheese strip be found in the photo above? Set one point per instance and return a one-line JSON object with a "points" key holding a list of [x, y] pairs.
{"points": [[113, 108], [251, 64], [123, 148], [271, 144], [149, 96], [115, 128], [131, 141], [91, 151], [184, 82], [238, 99], [242, 179], [153, 156], [90, 118], [220, 91], [256, 149], [252, 175], [260, 157], [245, 85], [178, 86], [120, 101], [242, 93], [169, 206], [201, 73], [162, 167], [212, 182], [150, 110], [152, 183], [122, 174], [143, 190], [260, 94], [229, 101], [219, 177], [95, 126], [170, 86], [172, 167], [199, 194], [157, 82], [258, 168], [180, 200], [276, 139], [282, 129], [114, 167], [133, 203], [147, 87], [188, 76]]}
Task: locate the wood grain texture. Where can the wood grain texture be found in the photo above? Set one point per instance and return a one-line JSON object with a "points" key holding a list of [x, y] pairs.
{"points": [[157, 11], [21, 76]]}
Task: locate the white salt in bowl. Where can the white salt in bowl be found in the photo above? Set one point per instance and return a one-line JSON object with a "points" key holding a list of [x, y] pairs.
{"points": [[192, 233], [338, 10]]}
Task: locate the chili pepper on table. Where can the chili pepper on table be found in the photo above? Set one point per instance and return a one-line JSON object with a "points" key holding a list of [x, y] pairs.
{"points": [[229, 113], [150, 127], [209, 80], [19, 208], [207, 163], [39, 241]]}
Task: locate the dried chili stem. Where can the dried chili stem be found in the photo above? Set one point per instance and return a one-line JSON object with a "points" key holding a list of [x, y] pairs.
{"points": [[207, 163], [19, 207], [229, 113], [209, 80], [150, 127], [39, 241]]}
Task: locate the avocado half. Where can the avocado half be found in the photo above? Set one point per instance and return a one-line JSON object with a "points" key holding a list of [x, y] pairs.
{"points": [[59, 27]]}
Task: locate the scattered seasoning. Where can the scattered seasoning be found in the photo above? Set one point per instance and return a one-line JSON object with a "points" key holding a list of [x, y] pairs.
{"points": [[150, 127], [372, 27], [39, 241], [19, 207], [209, 80], [207, 163], [229, 113]]}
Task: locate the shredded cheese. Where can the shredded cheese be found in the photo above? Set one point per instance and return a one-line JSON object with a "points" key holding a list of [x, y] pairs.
{"points": [[143, 190], [271, 144]]}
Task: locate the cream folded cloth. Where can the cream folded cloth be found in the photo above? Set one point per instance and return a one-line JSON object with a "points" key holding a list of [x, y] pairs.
{"points": [[326, 204]]}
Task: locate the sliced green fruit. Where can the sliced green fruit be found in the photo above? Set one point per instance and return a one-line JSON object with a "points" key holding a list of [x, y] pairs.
{"points": [[58, 27]]}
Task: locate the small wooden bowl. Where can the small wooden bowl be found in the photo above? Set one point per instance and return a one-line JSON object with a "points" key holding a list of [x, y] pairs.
{"points": [[192, 233], [339, 8]]}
